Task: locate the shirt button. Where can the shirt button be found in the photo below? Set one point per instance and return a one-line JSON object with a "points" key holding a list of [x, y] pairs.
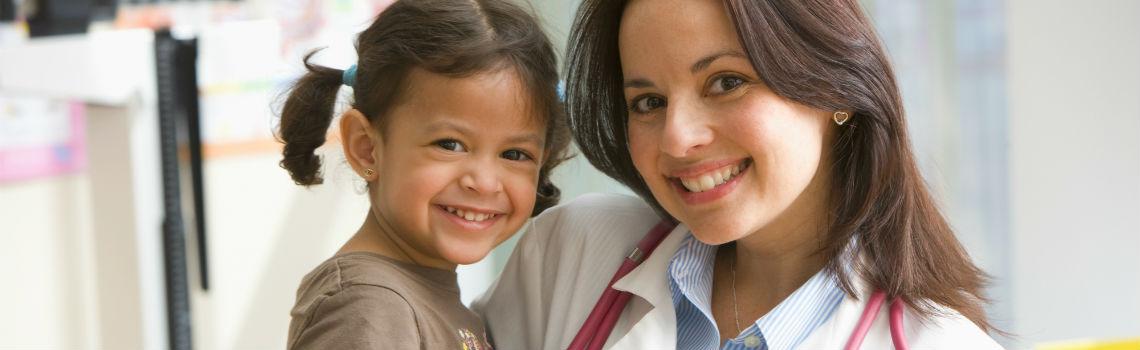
{"points": [[752, 341]]}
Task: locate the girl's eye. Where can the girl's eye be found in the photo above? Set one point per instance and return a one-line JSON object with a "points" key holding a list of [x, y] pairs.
{"points": [[515, 154], [723, 84], [646, 104], [451, 145]]}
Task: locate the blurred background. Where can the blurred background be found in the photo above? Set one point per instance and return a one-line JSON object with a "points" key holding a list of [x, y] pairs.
{"points": [[141, 205]]}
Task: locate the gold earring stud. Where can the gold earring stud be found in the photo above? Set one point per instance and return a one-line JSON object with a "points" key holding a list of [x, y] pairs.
{"points": [[368, 172], [840, 117]]}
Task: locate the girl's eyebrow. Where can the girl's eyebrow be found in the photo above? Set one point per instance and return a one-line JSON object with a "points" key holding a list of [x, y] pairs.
{"points": [[529, 137], [438, 125], [445, 124]]}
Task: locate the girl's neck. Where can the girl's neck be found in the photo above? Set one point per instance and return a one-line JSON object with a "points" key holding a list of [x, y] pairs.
{"points": [[378, 237]]}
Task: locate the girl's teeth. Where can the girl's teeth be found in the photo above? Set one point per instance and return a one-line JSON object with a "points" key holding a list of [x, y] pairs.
{"points": [[469, 216]]}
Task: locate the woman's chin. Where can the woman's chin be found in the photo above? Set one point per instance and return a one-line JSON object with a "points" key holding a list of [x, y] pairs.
{"points": [[717, 232], [714, 239]]}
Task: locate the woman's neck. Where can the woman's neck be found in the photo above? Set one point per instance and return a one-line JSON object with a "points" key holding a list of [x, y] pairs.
{"points": [[775, 265], [756, 273], [785, 253]]}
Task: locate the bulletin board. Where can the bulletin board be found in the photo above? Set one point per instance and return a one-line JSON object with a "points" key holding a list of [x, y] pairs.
{"points": [[40, 137]]}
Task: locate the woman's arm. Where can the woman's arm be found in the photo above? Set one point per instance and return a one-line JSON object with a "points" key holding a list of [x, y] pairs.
{"points": [[562, 263]]}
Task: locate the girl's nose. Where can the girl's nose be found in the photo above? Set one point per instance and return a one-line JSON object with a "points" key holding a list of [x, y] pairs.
{"points": [[481, 180]]}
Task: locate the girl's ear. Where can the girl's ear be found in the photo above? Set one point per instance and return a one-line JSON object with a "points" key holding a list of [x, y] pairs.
{"points": [[362, 144]]}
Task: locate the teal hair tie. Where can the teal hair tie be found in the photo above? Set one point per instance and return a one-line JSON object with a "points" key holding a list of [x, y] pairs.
{"points": [[349, 76]]}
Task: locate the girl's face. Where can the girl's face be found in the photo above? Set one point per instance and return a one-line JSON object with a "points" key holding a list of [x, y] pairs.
{"points": [[719, 150], [458, 165]]}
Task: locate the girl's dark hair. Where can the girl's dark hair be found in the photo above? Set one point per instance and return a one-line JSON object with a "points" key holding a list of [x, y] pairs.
{"points": [[448, 37], [824, 54]]}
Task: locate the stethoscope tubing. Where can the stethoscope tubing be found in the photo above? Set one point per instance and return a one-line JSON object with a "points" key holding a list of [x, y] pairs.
{"points": [[898, 336]]}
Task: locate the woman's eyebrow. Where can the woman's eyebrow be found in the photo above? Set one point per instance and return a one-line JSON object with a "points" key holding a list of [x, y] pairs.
{"points": [[701, 64], [638, 83], [708, 60]]}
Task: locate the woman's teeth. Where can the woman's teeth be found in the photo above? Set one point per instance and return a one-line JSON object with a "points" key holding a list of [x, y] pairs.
{"points": [[712, 179], [470, 215]]}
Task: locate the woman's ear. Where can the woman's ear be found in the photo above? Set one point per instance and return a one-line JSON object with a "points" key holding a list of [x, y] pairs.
{"points": [[362, 143]]}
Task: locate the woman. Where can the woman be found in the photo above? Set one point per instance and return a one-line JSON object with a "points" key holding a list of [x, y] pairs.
{"points": [[773, 132]]}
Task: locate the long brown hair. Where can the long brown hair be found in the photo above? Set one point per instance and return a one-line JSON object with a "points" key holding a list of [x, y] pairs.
{"points": [[824, 54], [449, 37]]}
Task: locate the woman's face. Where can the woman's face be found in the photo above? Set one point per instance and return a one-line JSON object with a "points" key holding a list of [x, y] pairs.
{"points": [[719, 150]]}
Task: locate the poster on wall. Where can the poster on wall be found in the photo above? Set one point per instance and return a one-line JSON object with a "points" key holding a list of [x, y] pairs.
{"points": [[40, 137]]}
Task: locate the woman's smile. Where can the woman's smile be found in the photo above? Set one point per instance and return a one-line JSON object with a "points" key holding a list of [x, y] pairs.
{"points": [[703, 186]]}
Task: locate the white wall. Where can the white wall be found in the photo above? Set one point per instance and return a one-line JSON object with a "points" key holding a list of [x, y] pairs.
{"points": [[1074, 90], [45, 265]]}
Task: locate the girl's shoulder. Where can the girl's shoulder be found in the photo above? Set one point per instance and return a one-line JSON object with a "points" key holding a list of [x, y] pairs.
{"points": [[334, 309]]}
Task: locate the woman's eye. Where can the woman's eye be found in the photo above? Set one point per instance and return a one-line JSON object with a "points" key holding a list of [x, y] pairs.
{"points": [[515, 154], [451, 145], [647, 104], [725, 84]]}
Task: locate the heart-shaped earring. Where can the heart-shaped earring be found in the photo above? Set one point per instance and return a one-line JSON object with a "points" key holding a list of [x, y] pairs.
{"points": [[368, 172], [840, 117]]}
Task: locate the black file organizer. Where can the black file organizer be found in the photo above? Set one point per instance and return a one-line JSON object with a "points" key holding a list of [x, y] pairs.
{"points": [[181, 153]]}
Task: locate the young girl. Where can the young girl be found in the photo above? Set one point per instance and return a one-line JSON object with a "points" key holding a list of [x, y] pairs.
{"points": [[455, 126]]}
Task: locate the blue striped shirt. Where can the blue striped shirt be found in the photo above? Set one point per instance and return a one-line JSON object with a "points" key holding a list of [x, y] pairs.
{"points": [[784, 327]]}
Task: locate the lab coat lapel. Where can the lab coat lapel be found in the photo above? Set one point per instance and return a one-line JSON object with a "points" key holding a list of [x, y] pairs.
{"points": [[649, 321], [834, 333]]}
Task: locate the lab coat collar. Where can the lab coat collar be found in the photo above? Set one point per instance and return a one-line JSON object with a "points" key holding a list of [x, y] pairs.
{"points": [[649, 280]]}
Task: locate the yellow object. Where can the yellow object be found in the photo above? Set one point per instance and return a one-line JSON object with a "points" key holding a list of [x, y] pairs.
{"points": [[1123, 344]]}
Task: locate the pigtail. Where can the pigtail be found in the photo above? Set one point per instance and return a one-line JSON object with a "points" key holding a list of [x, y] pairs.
{"points": [[305, 121]]}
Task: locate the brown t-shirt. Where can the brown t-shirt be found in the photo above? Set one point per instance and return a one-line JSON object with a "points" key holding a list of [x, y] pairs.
{"points": [[362, 300]]}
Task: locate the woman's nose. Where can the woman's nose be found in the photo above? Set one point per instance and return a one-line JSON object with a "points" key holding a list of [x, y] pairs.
{"points": [[686, 130]]}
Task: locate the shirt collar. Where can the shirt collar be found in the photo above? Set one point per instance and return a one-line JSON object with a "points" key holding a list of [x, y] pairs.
{"points": [[784, 327]]}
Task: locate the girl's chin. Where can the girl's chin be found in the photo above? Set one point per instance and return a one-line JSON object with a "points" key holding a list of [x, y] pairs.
{"points": [[468, 256]]}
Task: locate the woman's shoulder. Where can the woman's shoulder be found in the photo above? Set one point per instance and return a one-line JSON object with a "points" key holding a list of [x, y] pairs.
{"points": [[592, 221], [947, 329], [562, 263], [601, 206]]}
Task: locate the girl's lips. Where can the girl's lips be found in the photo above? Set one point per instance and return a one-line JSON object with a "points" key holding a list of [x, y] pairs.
{"points": [[452, 214]]}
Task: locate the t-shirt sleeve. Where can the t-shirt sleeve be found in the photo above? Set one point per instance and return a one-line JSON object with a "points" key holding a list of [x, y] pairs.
{"points": [[359, 317]]}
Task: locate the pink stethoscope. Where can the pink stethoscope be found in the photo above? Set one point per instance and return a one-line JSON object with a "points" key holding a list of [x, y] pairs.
{"points": [[602, 319]]}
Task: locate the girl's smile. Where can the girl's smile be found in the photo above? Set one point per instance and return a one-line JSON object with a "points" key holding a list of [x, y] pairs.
{"points": [[457, 165]]}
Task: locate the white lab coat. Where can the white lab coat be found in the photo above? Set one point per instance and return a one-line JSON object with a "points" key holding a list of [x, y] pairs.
{"points": [[568, 254]]}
